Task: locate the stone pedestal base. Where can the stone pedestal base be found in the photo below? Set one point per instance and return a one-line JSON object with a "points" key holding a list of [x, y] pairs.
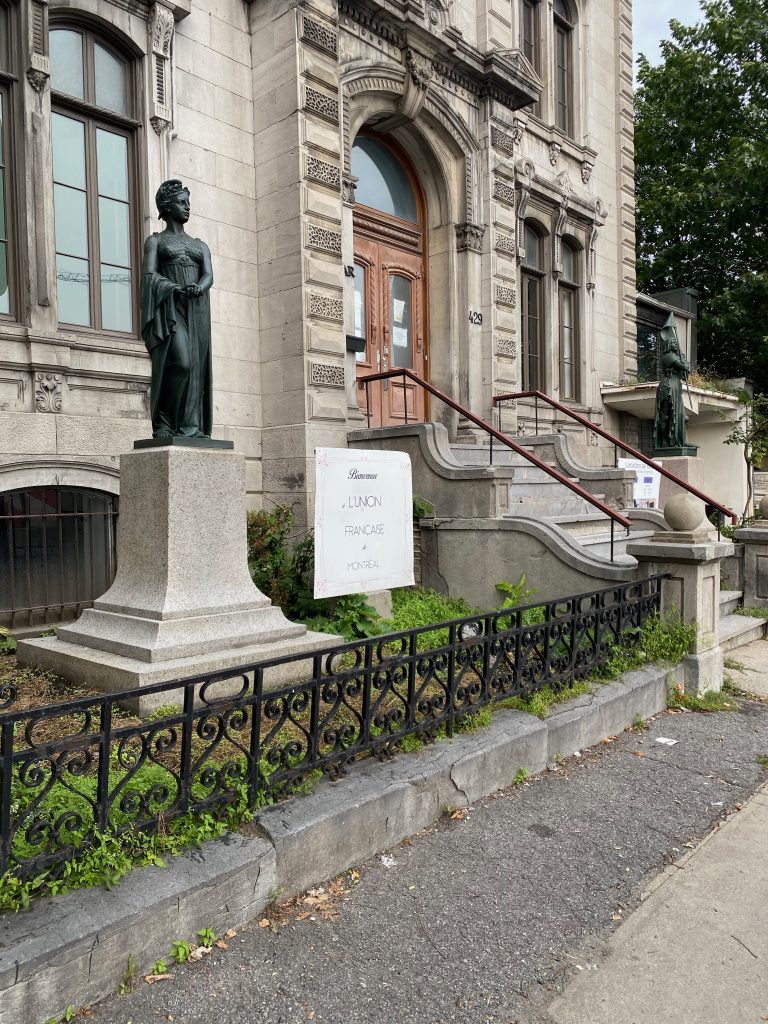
{"points": [[703, 672], [183, 602], [755, 541], [687, 468]]}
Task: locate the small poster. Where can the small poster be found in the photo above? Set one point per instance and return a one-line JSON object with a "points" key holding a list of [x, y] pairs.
{"points": [[647, 483], [363, 521]]}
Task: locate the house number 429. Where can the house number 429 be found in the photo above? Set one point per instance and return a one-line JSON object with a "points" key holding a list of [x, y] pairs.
{"points": [[475, 318]]}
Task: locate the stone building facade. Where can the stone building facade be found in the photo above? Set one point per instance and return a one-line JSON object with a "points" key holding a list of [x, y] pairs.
{"points": [[450, 181]]}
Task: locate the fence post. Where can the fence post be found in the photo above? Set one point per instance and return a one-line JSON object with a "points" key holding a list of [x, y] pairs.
{"points": [[691, 556]]}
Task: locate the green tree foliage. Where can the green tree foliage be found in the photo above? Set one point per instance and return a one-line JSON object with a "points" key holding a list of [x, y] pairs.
{"points": [[701, 138]]}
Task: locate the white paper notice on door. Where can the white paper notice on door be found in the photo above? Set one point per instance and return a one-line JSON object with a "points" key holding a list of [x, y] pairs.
{"points": [[398, 311], [359, 315], [400, 337], [363, 521]]}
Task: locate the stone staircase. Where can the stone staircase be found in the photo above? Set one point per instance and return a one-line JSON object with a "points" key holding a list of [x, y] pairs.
{"points": [[737, 630]]}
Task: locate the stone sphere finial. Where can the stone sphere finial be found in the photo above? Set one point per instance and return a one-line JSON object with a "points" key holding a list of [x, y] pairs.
{"points": [[684, 513]]}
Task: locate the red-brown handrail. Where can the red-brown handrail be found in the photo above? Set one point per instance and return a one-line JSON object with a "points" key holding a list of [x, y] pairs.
{"points": [[498, 399], [555, 473]]}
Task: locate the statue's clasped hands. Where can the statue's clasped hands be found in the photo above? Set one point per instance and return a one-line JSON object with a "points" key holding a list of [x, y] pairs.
{"points": [[193, 291]]}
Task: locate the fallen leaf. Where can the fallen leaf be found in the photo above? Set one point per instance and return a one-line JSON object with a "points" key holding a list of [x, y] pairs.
{"points": [[264, 922], [407, 842], [616, 917], [638, 753], [304, 916], [458, 815], [199, 952], [311, 1015], [230, 933], [220, 944], [152, 978], [355, 875]]}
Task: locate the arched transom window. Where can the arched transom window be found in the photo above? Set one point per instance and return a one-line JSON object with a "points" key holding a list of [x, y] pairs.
{"points": [[383, 183], [93, 152]]}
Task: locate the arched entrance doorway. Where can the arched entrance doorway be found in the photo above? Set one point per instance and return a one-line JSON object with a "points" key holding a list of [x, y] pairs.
{"points": [[390, 279]]}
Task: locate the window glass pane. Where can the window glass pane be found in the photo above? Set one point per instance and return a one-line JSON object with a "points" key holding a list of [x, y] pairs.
{"points": [[110, 80], [359, 330], [66, 52], [114, 232], [5, 298], [532, 248], [112, 164], [400, 321], [68, 151], [2, 137], [562, 10], [569, 263], [116, 301], [71, 221], [72, 290], [382, 181], [3, 236]]}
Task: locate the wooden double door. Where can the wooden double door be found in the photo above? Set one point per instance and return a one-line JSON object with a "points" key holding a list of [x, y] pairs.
{"points": [[390, 316]]}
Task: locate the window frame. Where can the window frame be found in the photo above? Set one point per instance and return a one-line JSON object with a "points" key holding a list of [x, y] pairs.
{"points": [[533, 274], [10, 143], [534, 42], [571, 288], [563, 93], [94, 117]]}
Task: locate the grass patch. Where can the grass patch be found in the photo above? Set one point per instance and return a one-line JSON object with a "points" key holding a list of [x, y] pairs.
{"points": [[415, 607], [542, 700], [659, 642], [753, 613], [733, 664], [715, 700], [762, 760]]}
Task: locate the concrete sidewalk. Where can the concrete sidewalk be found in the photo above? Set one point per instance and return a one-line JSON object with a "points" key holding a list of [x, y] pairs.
{"points": [[697, 948]]}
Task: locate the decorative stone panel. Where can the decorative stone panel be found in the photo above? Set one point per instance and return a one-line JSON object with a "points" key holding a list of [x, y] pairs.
{"points": [[325, 173], [506, 295], [322, 36], [161, 27], [328, 375], [503, 191], [505, 244], [326, 308], [321, 104], [324, 239], [502, 140], [506, 347], [48, 392]]}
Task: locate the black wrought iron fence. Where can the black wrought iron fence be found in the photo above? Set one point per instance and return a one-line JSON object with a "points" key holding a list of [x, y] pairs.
{"points": [[73, 769]]}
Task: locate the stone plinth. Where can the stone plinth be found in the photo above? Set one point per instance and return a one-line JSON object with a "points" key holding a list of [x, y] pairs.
{"points": [[687, 467], [692, 592], [183, 602], [755, 541]]}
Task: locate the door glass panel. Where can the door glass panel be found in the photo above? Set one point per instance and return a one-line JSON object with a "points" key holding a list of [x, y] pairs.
{"points": [[116, 304], [400, 321], [110, 80], [381, 180], [68, 151], [112, 164], [5, 299], [72, 290], [360, 311], [71, 221], [66, 50], [567, 384]]}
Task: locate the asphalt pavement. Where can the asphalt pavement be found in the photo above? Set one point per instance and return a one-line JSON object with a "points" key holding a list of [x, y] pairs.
{"points": [[489, 916]]}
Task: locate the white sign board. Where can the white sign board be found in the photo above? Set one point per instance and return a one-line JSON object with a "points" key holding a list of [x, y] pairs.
{"points": [[647, 483], [363, 521]]}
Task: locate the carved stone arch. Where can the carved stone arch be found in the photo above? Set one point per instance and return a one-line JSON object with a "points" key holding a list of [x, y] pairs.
{"points": [[22, 475]]}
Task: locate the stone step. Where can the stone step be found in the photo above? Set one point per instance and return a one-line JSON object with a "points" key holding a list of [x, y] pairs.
{"points": [[738, 630], [729, 601], [542, 507]]}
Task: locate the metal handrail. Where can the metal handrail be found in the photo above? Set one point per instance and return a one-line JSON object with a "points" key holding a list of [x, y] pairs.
{"points": [[498, 399], [615, 517]]}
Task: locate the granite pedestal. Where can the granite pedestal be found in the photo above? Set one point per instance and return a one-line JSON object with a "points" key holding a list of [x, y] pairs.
{"points": [[183, 602]]}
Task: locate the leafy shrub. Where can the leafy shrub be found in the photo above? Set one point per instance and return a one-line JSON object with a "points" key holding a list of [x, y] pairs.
{"points": [[417, 606], [351, 616], [283, 572]]}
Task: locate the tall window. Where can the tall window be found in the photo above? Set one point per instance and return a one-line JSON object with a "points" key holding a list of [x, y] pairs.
{"points": [[6, 306], [533, 310], [563, 67], [93, 141], [530, 39], [569, 323]]}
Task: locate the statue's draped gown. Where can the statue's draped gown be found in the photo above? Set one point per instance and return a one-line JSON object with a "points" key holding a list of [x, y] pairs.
{"points": [[669, 426], [177, 332]]}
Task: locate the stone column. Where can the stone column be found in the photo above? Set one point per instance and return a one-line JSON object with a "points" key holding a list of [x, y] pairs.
{"points": [[691, 557]]}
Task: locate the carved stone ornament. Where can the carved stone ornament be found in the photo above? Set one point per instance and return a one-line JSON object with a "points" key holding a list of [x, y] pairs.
{"points": [[505, 295], [469, 237], [328, 375], [506, 346], [505, 141], [554, 153], [48, 392], [324, 239], [348, 186], [586, 171], [322, 104], [325, 173], [325, 307], [161, 27], [320, 35], [37, 79], [419, 68]]}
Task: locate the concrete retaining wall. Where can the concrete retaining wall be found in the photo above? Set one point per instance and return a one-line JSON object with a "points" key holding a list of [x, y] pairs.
{"points": [[75, 948]]}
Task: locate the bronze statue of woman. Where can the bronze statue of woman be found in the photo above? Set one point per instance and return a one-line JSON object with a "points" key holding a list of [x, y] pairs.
{"points": [[176, 321], [669, 424]]}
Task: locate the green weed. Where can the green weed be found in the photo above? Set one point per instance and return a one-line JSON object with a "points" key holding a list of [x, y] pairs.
{"points": [[207, 936], [659, 641], [181, 951], [714, 700], [417, 606], [539, 702], [128, 982], [639, 724], [762, 760], [161, 967], [753, 613], [733, 664], [521, 776]]}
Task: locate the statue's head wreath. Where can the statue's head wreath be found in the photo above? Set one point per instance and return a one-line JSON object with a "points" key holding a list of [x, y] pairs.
{"points": [[168, 192]]}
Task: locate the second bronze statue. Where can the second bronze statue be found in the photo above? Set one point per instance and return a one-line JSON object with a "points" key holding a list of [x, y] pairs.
{"points": [[176, 321]]}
